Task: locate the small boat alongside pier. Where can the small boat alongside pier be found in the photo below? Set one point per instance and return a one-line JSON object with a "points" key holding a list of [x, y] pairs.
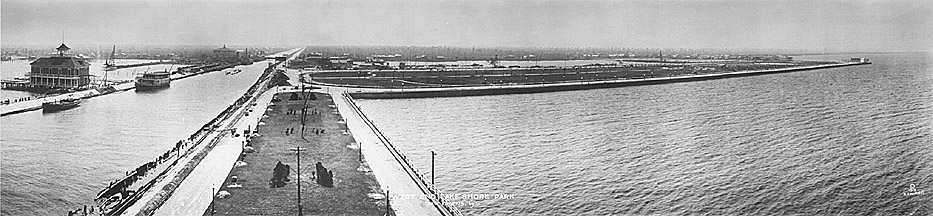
{"points": [[63, 104]]}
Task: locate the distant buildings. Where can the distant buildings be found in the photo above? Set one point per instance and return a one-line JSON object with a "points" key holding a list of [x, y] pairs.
{"points": [[60, 71]]}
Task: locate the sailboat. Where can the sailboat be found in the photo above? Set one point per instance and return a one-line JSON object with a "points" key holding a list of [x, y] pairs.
{"points": [[110, 65]]}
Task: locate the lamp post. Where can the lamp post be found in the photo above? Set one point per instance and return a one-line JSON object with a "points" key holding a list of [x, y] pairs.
{"points": [[432, 167], [212, 199]]}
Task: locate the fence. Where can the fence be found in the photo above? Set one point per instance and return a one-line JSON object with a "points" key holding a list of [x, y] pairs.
{"points": [[433, 194]]}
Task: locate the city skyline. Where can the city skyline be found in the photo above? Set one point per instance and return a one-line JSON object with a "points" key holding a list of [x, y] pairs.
{"points": [[831, 26]]}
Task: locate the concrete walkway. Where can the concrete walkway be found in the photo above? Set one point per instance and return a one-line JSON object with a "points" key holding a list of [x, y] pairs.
{"points": [[406, 197], [194, 195], [212, 169]]}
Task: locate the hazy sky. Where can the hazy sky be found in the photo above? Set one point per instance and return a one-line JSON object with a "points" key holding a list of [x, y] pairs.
{"points": [[809, 25]]}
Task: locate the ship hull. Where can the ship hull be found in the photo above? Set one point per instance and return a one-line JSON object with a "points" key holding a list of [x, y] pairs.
{"points": [[59, 106]]}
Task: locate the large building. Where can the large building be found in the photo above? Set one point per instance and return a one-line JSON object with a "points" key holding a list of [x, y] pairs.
{"points": [[60, 71], [225, 53]]}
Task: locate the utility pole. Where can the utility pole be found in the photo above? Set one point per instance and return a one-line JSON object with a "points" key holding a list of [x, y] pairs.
{"points": [[304, 110], [298, 170]]}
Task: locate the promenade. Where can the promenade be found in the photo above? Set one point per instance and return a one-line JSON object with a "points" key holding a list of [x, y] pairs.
{"points": [[409, 192], [354, 189], [195, 193], [219, 149]]}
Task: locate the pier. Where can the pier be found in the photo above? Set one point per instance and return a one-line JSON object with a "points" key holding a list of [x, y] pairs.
{"points": [[210, 157]]}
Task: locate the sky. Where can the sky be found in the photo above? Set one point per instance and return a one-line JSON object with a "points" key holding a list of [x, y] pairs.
{"points": [[838, 26]]}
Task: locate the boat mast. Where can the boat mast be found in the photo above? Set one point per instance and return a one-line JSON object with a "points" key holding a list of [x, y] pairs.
{"points": [[110, 61]]}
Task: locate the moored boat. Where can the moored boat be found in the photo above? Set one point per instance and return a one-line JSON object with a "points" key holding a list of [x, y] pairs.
{"points": [[153, 80], [62, 104]]}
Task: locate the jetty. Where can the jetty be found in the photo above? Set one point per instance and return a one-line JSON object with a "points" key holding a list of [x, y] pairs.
{"points": [[180, 190], [423, 91], [114, 67]]}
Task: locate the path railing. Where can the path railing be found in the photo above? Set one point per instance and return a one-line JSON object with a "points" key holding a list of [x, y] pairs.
{"points": [[431, 192]]}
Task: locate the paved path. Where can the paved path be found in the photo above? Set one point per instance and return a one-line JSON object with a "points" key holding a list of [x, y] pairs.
{"points": [[219, 158], [406, 197], [193, 196]]}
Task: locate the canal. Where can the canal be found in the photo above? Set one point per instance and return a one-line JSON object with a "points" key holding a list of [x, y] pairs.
{"points": [[54, 162]]}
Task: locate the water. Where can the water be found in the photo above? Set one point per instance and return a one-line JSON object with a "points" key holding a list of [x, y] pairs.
{"points": [[836, 141], [55, 162]]}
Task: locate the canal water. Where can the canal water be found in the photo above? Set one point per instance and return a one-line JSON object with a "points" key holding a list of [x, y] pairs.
{"points": [[55, 162], [851, 140]]}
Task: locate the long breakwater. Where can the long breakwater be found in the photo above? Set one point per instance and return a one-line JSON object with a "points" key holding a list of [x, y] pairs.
{"points": [[393, 93]]}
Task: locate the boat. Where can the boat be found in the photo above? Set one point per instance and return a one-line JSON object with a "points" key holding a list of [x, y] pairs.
{"points": [[234, 71], [62, 104], [153, 80], [110, 65]]}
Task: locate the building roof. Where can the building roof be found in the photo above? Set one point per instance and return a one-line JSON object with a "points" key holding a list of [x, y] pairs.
{"points": [[62, 48], [223, 49], [61, 61]]}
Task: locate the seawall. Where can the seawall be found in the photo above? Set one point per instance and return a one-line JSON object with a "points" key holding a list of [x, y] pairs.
{"points": [[380, 93]]}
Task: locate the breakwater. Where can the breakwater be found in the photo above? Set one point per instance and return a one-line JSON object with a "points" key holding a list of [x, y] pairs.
{"points": [[427, 188], [114, 67], [393, 93]]}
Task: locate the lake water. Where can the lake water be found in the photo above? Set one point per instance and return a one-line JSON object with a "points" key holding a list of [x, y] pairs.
{"points": [[851, 140]]}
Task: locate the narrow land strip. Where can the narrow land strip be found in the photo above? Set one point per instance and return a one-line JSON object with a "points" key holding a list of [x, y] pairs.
{"points": [[323, 139]]}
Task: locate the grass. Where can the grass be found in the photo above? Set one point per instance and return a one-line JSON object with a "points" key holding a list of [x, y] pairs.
{"points": [[349, 196]]}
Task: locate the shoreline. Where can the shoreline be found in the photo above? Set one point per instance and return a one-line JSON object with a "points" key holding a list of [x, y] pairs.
{"points": [[396, 93]]}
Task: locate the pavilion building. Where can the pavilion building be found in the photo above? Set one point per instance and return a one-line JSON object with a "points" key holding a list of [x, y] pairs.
{"points": [[60, 71]]}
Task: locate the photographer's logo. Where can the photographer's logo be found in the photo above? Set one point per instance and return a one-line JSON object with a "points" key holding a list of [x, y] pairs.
{"points": [[912, 191]]}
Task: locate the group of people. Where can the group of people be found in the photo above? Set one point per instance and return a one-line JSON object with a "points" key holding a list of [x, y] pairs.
{"points": [[316, 131], [85, 211], [14, 100], [322, 176]]}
